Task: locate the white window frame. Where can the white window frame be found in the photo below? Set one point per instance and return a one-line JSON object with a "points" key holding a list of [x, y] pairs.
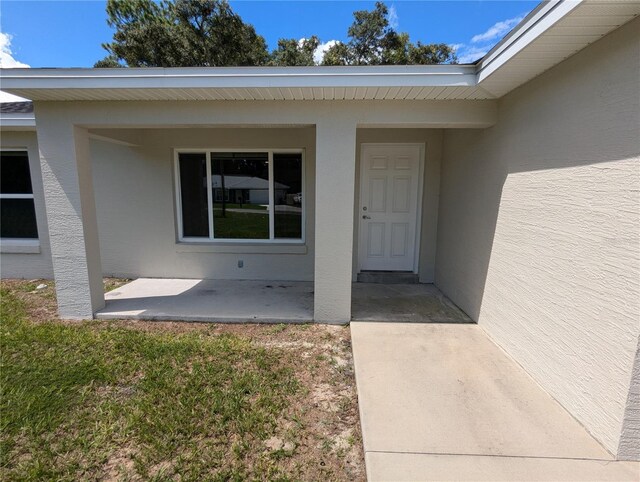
{"points": [[22, 242], [271, 209]]}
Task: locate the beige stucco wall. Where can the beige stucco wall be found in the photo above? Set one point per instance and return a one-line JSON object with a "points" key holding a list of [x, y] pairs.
{"points": [[432, 140], [135, 204], [28, 265], [539, 228], [135, 191], [630, 437]]}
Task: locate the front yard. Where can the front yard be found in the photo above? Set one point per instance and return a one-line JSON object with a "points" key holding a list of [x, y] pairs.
{"points": [[171, 401]]}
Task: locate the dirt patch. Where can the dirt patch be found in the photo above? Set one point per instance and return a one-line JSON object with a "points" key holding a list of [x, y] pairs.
{"points": [[325, 422], [121, 466]]}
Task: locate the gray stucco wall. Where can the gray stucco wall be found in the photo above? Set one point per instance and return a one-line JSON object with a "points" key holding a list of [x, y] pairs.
{"points": [[539, 228], [28, 265]]}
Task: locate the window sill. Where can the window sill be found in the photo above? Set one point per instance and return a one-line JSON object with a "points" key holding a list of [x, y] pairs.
{"points": [[20, 246], [244, 248]]}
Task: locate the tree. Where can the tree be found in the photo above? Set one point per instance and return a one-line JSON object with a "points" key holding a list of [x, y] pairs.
{"points": [[292, 52], [109, 62], [180, 33], [431, 54], [207, 33], [337, 54], [370, 34], [373, 42]]}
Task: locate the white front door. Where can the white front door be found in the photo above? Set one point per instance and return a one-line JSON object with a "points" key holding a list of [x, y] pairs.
{"points": [[389, 195]]}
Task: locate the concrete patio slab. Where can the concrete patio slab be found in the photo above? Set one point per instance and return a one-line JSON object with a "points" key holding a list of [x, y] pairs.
{"points": [[211, 300], [429, 390], [423, 303], [270, 302]]}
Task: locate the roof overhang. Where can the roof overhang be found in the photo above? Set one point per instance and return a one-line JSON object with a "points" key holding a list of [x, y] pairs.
{"points": [[247, 83], [553, 31], [18, 122]]}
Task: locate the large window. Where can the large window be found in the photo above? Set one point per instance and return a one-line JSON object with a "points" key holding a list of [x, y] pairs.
{"points": [[240, 196], [17, 210]]}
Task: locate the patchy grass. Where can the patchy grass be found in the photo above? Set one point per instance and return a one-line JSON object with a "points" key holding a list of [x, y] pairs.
{"points": [[111, 284], [168, 401]]}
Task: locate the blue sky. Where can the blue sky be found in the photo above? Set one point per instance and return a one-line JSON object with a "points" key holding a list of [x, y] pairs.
{"points": [[70, 33]]}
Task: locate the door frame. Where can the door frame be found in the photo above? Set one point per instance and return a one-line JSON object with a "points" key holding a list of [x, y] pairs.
{"points": [[421, 163]]}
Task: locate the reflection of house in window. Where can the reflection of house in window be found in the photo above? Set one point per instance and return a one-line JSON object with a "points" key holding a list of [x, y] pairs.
{"points": [[232, 201], [246, 190]]}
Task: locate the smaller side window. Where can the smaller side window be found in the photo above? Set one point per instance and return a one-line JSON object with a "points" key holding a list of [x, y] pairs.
{"points": [[17, 209]]}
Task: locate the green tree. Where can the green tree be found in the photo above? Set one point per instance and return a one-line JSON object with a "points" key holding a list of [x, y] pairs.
{"points": [[337, 54], [372, 41], [110, 61], [207, 33], [292, 52], [420, 53], [180, 33]]}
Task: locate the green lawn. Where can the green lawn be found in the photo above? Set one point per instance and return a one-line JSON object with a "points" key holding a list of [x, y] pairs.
{"points": [[256, 207], [109, 400], [238, 225]]}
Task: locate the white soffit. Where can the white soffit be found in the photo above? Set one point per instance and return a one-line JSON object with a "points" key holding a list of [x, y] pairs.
{"points": [[248, 83], [552, 32]]}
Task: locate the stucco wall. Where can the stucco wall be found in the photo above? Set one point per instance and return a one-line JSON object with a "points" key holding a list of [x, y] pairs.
{"points": [[432, 139], [28, 265], [630, 437], [539, 228], [135, 203]]}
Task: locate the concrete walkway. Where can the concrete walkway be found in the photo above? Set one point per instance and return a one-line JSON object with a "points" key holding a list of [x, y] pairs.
{"points": [[443, 402]]}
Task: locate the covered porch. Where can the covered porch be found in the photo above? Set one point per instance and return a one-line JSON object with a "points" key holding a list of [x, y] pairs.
{"points": [[113, 181], [239, 301]]}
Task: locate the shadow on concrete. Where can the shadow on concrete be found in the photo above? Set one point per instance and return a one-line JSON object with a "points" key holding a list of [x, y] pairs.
{"points": [[211, 300]]}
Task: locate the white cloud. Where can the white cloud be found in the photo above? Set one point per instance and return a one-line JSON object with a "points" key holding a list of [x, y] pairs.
{"points": [[481, 43], [394, 21], [498, 30], [318, 55], [8, 62], [6, 56], [470, 53]]}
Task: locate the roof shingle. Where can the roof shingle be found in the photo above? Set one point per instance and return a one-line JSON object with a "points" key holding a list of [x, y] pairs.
{"points": [[16, 107]]}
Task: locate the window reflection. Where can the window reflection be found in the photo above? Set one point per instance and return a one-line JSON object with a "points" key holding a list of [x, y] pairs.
{"points": [[287, 175], [193, 194], [240, 195]]}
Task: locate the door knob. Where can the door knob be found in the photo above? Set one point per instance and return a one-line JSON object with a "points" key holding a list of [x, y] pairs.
{"points": [[364, 216]]}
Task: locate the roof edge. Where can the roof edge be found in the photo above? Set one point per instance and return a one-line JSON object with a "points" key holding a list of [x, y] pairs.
{"points": [[17, 121], [543, 17]]}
